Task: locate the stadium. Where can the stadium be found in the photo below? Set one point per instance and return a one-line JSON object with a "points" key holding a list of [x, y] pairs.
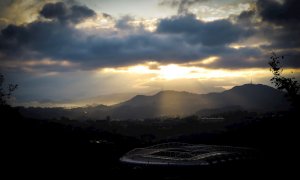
{"points": [[187, 155]]}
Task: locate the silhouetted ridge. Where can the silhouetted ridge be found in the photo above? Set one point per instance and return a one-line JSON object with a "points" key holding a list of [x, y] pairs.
{"points": [[256, 97], [250, 97], [171, 92], [252, 88]]}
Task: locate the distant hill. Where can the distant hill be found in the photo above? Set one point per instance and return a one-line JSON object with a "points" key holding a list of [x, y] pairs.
{"points": [[254, 97], [251, 97]]}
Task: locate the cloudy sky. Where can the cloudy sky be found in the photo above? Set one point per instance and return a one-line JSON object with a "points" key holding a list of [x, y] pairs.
{"points": [[74, 49]]}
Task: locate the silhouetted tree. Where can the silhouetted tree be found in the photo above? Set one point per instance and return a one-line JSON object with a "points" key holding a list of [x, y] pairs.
{"points": [[289, 85], [5, 95]]}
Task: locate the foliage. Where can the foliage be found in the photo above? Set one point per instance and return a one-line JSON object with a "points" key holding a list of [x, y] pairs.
{"points": [[290, 85], [5, 95]]}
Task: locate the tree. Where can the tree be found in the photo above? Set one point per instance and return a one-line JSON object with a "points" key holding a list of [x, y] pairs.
{"points": [[5, 95], [290, 85]]}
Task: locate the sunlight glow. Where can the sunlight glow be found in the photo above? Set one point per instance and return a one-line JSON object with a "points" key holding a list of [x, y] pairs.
{"points": [[98, 22], [173, 71], [49, 62], [205, 61], [177, 71], [210, 60], [237, 46], [140, 69], [148, 24]]}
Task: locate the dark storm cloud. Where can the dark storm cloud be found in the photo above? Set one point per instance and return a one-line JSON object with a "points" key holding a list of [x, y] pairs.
{"points": [[178, 39], [240, 58], [62, 13], [57, 10], [287, 16], [36, 39], [62, 42], [246, 18], [182, 5], [123, 23], [284, 38], [286, 13], [215, 33], [279, 25], [108, 16]]}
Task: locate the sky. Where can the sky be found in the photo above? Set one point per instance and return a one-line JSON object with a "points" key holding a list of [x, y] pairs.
{"points": [[64, 51]]}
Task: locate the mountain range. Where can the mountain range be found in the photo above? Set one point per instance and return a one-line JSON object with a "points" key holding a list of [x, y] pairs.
{"points": [[250, 97]]}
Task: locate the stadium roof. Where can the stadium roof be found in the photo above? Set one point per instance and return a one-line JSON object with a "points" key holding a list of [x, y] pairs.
{"points": [[182, 154]]}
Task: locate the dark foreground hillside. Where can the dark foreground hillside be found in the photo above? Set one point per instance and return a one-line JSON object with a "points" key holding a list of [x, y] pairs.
{"points": [[57, 148]]}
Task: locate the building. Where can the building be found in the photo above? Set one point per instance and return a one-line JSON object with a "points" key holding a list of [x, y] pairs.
{"points": [[182, 154]]}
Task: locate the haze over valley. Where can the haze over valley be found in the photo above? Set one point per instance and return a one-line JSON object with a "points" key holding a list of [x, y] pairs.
{"points": [[248, 97]]}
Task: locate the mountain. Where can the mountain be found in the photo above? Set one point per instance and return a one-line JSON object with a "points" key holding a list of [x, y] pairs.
{"points": [[251, 97], [164, 103], [254, 97]]}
